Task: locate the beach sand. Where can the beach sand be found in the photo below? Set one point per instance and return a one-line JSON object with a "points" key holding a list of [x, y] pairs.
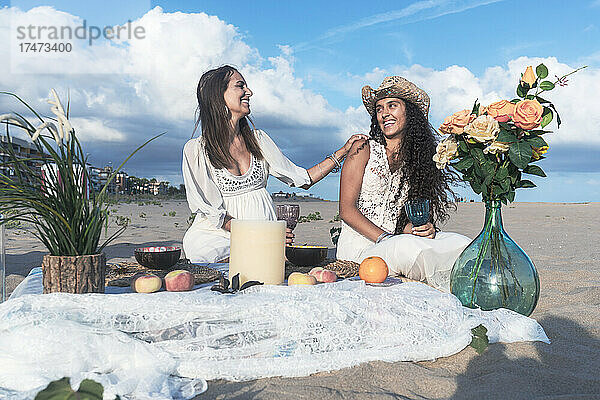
{"points": [[561, 239]]}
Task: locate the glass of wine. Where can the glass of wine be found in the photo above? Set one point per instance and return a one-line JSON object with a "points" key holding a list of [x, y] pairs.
{"points": [[417, 211], [288, 213]]}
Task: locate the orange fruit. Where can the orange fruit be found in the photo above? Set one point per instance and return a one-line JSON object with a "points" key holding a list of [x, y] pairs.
{"points": [[373, 270]]}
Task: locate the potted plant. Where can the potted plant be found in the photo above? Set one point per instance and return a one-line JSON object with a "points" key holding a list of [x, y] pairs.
{"points": [[50, 192]]}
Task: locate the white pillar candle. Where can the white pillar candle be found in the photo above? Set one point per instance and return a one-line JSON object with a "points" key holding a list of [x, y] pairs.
{"points": [[257, 251]]}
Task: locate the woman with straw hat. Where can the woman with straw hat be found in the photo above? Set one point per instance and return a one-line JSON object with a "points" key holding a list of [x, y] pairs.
{"points": [[381, 174], [225, 170]]}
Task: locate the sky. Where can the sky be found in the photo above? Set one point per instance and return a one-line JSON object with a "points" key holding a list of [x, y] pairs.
{"points": [[306, 62]]}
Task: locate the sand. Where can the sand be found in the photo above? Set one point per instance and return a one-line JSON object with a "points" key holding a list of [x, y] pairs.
{"points": [[561, 239]]}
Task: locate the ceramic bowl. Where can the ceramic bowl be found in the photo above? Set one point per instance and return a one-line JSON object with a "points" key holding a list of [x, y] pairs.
{"points": [[158, 257], [306, 255]]}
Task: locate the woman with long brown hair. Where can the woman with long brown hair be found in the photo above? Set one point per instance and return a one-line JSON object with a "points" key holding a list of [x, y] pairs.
{"points": [[225, 170], [381, 174]]}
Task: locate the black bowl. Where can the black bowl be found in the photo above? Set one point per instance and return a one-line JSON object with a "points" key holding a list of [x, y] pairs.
{"points": [[306, 255], [158, 257]]}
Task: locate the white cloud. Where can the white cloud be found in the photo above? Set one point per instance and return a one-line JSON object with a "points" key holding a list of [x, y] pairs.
{"points": [[155, 88], [96, 130]]}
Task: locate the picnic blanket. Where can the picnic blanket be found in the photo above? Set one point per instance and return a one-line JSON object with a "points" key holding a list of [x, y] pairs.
{"points": [[167, 345]]}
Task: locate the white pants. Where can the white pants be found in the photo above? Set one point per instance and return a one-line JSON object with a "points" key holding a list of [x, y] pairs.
{"points": [[415, 257]]}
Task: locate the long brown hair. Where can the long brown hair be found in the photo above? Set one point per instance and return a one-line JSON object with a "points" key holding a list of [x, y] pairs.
{"points": [[214, 119]]}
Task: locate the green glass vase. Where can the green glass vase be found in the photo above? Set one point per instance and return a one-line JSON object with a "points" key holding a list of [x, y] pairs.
{"points": [[493, 271]]}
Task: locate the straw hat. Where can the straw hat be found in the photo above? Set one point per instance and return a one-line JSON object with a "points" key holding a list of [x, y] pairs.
{"points": [[396, 86]]}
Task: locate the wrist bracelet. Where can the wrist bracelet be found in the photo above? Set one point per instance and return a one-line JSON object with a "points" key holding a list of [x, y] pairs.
{"points": [[383, 236], [337, 166]]}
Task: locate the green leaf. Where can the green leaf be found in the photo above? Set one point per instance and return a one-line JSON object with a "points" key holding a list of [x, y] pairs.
{"points": [[477, 154], [511, 196], [521, 92], [476, 186], [520, 154], [542, 101], [524, 183], [480, 339], [505, 184], [463, 146], [501, 174], [90, 390], [546, 85], [60, 389], [546, 117], [463, 164], [541, 71], [536, 141], [475, 108], [506, 136], [534, 170]]}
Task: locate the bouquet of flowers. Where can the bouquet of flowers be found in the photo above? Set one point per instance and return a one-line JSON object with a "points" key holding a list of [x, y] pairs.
{"points": [[492, 147]]}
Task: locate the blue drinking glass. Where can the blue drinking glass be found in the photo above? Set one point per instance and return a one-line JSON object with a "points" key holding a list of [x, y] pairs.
{"points": [[417, 211]]}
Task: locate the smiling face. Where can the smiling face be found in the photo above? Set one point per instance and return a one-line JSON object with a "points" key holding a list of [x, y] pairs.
{"points": [[391, 116], [237, 96]]}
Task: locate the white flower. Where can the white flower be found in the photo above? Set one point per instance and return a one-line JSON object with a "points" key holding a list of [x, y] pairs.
{"points": [[496, 148], [64, 126], [15, 119], [483, 129], [446, 150], [50, 126]]}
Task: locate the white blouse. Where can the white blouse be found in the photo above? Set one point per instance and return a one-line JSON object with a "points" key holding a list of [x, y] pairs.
{"points": [[212, 193]]}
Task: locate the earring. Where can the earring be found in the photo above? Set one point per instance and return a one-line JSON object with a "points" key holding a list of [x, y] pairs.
{"points": [[226, 109]]}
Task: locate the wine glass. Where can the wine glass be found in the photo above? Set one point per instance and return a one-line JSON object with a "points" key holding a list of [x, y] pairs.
{"points": [[288, 213], [417, 211]]}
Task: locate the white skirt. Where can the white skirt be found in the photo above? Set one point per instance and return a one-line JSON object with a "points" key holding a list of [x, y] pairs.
{"points": [[415, 257]]}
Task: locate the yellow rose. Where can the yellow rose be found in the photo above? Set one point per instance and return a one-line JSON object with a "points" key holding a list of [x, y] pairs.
{"points": [[528, 77], [539, 151], [483, 129], [456, 122], [497, 148], [446, 150], [528, 114], [501, 110]]}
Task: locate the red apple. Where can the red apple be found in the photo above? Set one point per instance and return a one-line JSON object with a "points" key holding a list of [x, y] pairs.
{"points": [[145, 283], [179, 281]]}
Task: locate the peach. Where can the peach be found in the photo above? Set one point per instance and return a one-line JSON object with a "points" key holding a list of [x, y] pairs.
{"points": [[323, 275], [145, 283], [298, 278], [179, 281]]}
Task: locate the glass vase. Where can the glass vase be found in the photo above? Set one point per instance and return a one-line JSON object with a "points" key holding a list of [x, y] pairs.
{"points": [[493, 271]]}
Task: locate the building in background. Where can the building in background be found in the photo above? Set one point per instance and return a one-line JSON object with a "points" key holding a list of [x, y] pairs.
{"points": [[24, 150]]}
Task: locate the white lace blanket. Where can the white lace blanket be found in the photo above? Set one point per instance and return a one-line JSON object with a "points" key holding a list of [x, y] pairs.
{"points": [[166, 344]]}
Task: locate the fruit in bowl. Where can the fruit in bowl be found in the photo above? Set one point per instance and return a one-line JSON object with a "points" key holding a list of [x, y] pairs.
{"points": [[158, 257], [306, 255]]}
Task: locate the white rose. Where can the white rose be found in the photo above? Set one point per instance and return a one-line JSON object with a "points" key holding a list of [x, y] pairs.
{"points": [[484, 128], [446, 150], [496, 148]]}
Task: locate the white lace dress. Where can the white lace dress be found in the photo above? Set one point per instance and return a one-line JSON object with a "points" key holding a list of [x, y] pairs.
{"points": [[418, 258], [212, 193]]}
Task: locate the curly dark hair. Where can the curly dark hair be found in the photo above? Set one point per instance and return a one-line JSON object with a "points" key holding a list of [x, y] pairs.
{"points": [[415, 157]]}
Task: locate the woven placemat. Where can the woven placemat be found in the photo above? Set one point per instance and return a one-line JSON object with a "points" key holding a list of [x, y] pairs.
{"points": [[343, 269], [119, 274]]}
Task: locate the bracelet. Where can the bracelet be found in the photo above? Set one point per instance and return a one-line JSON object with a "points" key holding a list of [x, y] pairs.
{"points": [[383, 236], [337, 166]]}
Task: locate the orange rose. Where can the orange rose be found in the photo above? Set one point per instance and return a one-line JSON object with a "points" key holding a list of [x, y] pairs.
{"points": [[528, 114], [528, 77], [456, 122], [501, 110]]}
